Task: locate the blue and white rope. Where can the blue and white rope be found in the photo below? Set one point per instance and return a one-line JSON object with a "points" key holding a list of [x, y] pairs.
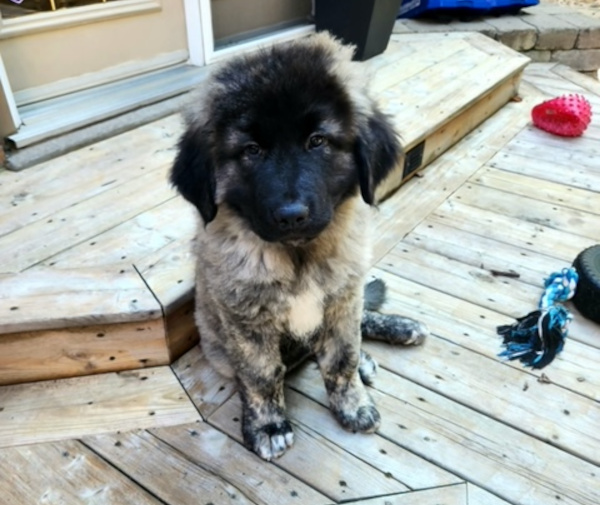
{"points": [[538, 337]]}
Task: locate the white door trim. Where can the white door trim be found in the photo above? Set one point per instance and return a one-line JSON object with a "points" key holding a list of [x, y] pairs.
{"points": [[9, 101], [199, 31], [201, 42]]}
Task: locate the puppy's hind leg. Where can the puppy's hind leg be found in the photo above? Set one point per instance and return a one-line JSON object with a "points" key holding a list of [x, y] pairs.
{"points": [[391, 328]]}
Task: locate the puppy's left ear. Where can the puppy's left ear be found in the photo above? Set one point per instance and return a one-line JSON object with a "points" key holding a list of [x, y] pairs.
{"points": [[193, 173], [376, 151]]}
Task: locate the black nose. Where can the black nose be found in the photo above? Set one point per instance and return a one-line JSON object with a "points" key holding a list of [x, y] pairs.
{"points": [[291, 216]]}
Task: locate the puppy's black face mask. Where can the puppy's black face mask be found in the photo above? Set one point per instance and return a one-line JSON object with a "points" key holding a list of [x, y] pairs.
{"points": [[283, 146], [293, 166]]}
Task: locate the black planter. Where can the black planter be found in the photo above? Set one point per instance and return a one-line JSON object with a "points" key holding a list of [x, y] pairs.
{"points": [[365, 23]]}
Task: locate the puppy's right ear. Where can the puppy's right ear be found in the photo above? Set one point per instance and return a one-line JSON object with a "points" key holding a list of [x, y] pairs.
{"points": [[193, 173]]}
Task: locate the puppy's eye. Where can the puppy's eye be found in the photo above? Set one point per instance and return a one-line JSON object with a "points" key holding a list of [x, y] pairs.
{"points": [[316, 141], [252, 150]]}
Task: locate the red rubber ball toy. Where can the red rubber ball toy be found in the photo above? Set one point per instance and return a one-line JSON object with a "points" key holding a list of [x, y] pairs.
{"points": [[567, 115]]}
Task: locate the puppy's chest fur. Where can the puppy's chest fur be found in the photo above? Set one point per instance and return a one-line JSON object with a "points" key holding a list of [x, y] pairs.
{"points": [[271, 288], [306, 311]]}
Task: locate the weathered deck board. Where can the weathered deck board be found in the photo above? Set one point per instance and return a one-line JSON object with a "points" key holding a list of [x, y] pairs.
{"points": [[169, 272], [349, 479], [452, 435], [449, 495], [546, 191], [70, 352], [83, 220], [183, 483], [553, 85], [383, 454], [485, 253], [209, 391], [552, 215], [437, 92], [403, 64], [554, 150], [474, 327], [35, 300], [529, 236], [217, 453], [135, 239], [420, 196], [473, 284], [205, 387], [540, 409], [560, 171], [72, 408], [43, 190], [65, 473], [481, 497]]}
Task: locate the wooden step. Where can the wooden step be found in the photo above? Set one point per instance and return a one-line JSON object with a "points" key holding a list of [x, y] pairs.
{"points": [[442, 89], [96, 248]]}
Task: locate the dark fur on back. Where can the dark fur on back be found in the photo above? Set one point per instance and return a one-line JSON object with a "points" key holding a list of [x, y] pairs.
{"points": [[282, 155]]}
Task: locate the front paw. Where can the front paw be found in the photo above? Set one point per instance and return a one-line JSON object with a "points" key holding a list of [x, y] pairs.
{"points": [[365, 419], [355, 410], [268, 440]]}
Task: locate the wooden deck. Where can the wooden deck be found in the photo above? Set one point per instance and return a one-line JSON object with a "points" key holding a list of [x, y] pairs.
{"points": [[78, 253], [460, 426]]}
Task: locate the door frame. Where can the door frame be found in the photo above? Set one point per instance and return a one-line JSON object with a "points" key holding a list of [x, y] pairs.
{"points": [[201, 42], [11, 119]]}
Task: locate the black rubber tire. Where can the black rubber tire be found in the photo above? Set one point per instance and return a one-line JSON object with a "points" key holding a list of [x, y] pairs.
{"points": [[587, 294]]}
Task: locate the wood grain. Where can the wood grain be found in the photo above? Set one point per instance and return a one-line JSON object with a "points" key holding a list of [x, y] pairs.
{"points": [[207, 389], [86, 350], [65, 473], [82, 220], [474, 327], [445, 432], [399, 214], [510, 394], [134, 239], [449, 495], [73, 408], [349, 479], [166, 473], [263, 483], [379, 452], [52, 299], [45, 189]]}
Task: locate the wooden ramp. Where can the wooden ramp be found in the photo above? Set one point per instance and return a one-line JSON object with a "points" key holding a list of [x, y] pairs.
{"points": [[96, 273], [460, 426]]}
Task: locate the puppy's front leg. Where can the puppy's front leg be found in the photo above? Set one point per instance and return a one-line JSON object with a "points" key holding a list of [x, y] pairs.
{"points": [[265, 428], [338, 360]]}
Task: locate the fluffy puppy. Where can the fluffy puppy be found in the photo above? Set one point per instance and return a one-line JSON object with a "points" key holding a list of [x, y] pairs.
{"points": [[281, 157]]}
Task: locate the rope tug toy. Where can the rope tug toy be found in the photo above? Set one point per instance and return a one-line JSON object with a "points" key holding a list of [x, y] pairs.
{"points": [[538, 337]]}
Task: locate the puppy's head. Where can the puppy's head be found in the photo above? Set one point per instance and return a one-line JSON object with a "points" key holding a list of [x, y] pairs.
{"points": [[283, 137]]}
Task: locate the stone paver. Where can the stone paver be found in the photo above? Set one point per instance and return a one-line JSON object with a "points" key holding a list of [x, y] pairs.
{"points": [[579, 59], [553, 32]]}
